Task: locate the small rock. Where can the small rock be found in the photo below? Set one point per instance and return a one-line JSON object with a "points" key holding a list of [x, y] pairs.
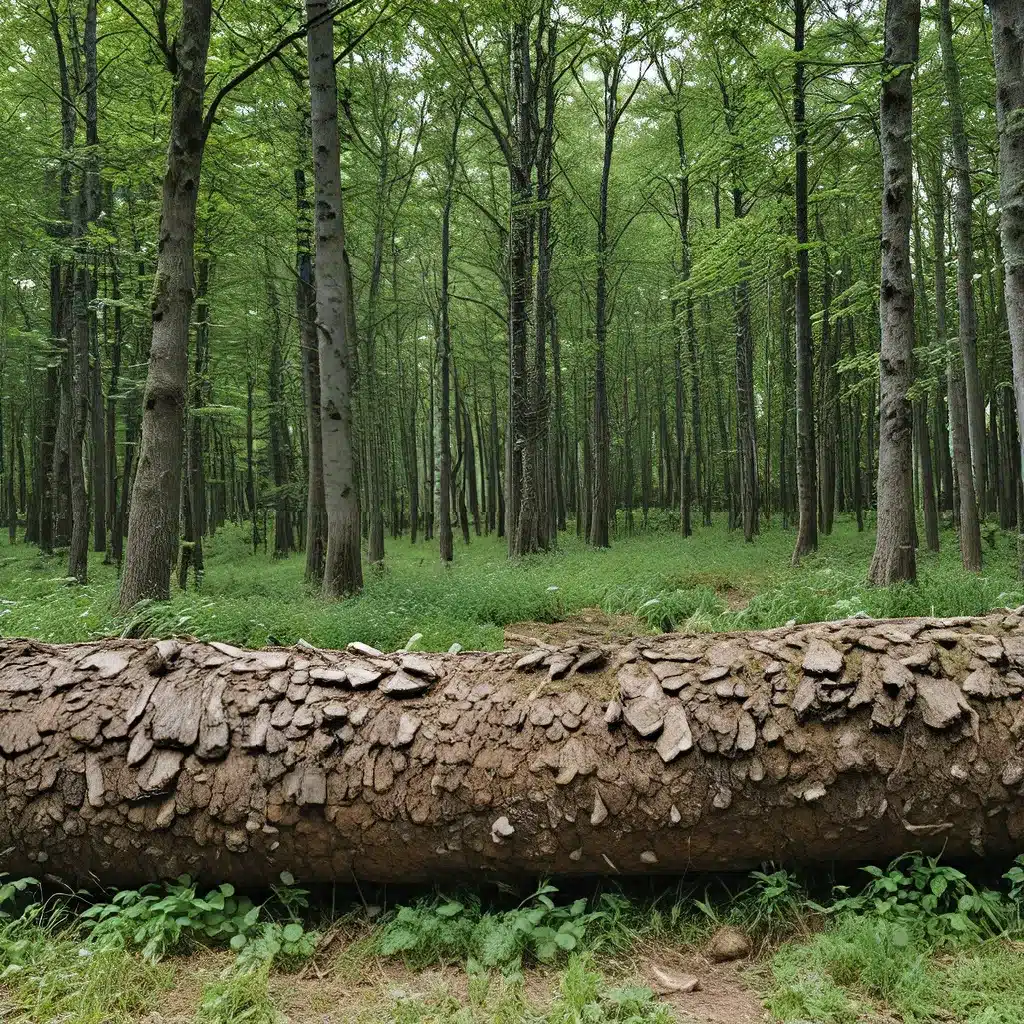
{"points": [[501, 829], [649, 857], [408, 726], [613, 714], [941, 702], [329, 676], [600, 813], [665, 982], [728, 943]]}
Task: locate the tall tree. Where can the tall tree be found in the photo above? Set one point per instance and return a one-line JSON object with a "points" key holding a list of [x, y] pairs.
{"points": [[1008, 49], [343, 571], [963, 213], [806, 467], [895, 557]]}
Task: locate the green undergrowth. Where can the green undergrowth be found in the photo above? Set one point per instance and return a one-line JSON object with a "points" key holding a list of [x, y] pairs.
{"points": [[711, 581], [916, 941]]}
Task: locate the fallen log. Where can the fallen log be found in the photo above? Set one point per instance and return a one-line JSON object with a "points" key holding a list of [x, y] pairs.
{"points": [[126, 761]]}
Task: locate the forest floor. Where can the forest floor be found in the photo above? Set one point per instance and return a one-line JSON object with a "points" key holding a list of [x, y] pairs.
{"points": [[906, 948], [647, 582], [883, 955]]}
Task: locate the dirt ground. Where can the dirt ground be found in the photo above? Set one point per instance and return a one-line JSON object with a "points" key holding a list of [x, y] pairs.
{"points": [[334, 992]]}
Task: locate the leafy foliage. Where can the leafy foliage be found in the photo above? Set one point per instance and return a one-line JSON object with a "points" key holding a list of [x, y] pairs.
{"points": [[539, 931]]}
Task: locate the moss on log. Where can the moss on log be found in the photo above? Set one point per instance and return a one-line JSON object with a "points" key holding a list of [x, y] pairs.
{"points": [[126, 761]]}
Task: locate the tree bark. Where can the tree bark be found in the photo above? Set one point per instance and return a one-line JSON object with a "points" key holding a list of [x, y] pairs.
{"points": [[1008, 49], [963, 203], [854, 740], [806, 467], [153, 524], [343, 572], [894, 558]]}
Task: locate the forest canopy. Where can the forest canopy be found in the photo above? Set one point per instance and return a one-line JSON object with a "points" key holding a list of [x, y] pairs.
{"points": [[354, 273]]}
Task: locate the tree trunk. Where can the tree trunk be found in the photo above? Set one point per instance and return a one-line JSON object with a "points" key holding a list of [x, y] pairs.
{"points": [[305, 308], [153, 524], [1008, 48], [894, 558], [967, 507], [343, 572], [963, 203], [126, 762]]}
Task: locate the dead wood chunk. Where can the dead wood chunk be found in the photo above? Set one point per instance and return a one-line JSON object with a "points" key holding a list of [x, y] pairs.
{"points": [[105, 663], [715, 673], [633, 679], [214, 732], [559, 665], [822, 659], [334, 711], [804, 696], [403, 684], [746, 733], [416, 665], [942, 702], [139, 748], [94, 786], [590, 660], [86, 731], [408, 726], [644, 715], [985, 682], [871, 642], [18, 733], [330, 676], [362, 676], [895, 675], [228, 650], [920, 657], [159, 770], [676, 737], [356, 647], [176, 716], [161, 656], [268, 661], [728, 943], [530, 661]]}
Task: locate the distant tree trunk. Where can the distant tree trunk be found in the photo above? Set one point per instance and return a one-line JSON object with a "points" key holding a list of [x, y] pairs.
{"points": [[1008, 48], [305, 309], [806, 467], [963, 203], [521, 501], [343, 572], [194, 489], [967, 505], [153, 525], [445, 341], [78, 551], [894, 558]]}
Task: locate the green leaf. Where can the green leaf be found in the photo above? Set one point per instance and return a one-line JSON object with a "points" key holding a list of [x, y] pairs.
{"points": [[449, 909], [292, 932], [287, 878]]}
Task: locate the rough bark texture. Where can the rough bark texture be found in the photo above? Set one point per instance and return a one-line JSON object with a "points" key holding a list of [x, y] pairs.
{"points": [[1008, 49], [343, 573], [894, 557], [126, 761], [153, 524]]}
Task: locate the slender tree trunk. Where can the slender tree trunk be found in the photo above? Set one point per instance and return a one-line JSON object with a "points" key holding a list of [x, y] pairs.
{"points": [[445, 341], [963, 203], [305, 309], [1008, 49], [806, 467], [343, 572], [153, 525], [894, 558]]}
